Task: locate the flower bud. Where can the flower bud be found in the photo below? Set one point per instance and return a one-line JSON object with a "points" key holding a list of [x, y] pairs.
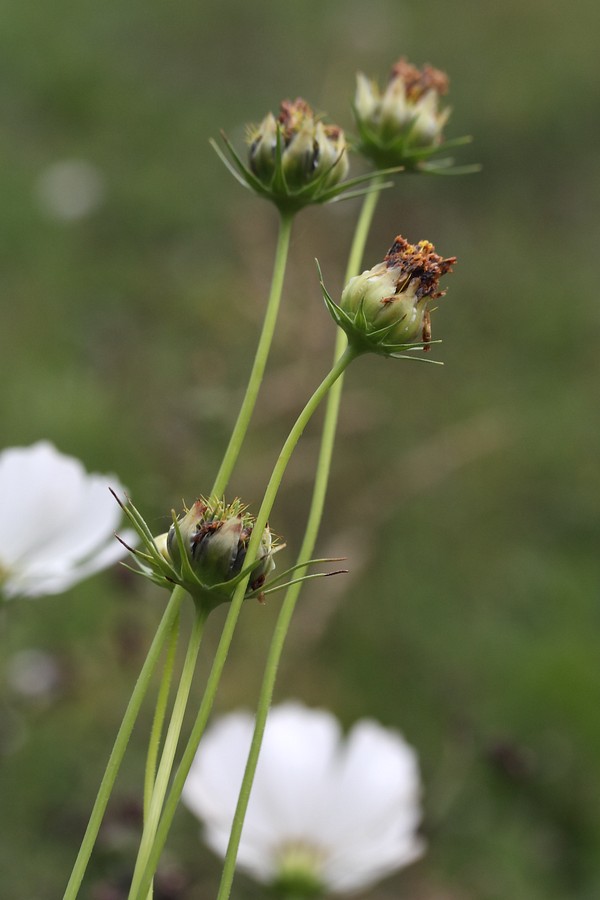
{"points": [[385, 310], [295, 159], [215, 538], [262, 149], [298, 149], [403, 124]]}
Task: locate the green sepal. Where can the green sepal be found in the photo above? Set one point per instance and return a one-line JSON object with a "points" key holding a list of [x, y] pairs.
{"points": [[263, 591], [315, 192], [233, 582], [399, 151], [365, 341]]}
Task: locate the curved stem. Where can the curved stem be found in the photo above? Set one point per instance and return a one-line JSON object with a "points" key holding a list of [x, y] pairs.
{"points": [[230, 623], [260, 359], [121, 741], [169, 749], [306, 551]]}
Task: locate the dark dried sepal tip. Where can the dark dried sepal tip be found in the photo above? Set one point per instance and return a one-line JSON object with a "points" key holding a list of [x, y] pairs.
{"points": [[279, 583]]}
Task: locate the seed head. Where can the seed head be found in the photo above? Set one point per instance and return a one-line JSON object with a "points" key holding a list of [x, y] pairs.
{"points": [[385, 310]]}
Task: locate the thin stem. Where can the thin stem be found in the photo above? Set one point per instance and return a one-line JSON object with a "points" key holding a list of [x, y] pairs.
{"points": [[157, 723], [231, 620], [306, 550], [121, 741], [159, 717], [169, 749], [260, 359], [363, 226]]}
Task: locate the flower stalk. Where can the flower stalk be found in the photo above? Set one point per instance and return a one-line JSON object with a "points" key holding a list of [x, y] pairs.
{"points": [[288, 606], [260, 360], [118, 752], [170, 747], [159, 716], [216, 553], [140, 889]]}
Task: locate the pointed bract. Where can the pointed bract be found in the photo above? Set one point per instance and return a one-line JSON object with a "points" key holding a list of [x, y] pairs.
{"points": [[385, 310]]}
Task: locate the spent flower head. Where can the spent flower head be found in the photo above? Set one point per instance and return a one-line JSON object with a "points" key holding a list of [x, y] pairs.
{"points": [[327, 814], [385, 310], [403, 124], [57, 521], [294, 159], [204, 551]]}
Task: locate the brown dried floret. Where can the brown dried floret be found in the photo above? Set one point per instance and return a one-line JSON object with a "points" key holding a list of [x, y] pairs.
{"points": [[418, 81], [292, 114], [421, 262]]}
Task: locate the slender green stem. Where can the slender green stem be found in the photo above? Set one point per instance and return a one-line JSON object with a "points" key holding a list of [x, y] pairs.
{"points": [[363, 226], [306, 550], [260, 359], [230, 623], [159, 716], [157, 723], [118, 751], [168, 755]]}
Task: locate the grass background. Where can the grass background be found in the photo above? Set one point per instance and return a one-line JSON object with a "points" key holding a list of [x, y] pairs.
{"points": [[466, 498]]}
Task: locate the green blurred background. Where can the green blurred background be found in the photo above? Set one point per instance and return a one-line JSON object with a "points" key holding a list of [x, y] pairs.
{"points": [[466, 498]]}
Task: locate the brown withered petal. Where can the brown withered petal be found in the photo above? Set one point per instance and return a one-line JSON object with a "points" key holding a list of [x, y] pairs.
{"points": [[291, 116], [418, 81], [421, 262]]}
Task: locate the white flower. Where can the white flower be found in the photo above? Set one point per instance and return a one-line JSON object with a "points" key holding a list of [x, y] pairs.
{"points": [[70, 189], [340, 813], [57, 522]]}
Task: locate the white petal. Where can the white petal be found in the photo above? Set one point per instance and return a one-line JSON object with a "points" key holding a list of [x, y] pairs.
{"points": [[56, 521], [358, 801], [31, 481], [378, 858], [58, 576], [254, 856], [295, 769], [213, 784], [373, 809]]}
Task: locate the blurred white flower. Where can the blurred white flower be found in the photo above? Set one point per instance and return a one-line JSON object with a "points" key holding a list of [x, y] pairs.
{"points": [[57, 522], [70, 189], [332, 813], [33, 674]]}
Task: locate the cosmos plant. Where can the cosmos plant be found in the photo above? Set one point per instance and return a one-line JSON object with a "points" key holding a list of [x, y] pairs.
{"points": [[333, 794]]}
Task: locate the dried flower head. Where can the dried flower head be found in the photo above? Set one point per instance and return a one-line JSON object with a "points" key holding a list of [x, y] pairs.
{"points": [[204, 551], [385, 310], [294, 159], [298, 149], [403, 124], [214, 537]]}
